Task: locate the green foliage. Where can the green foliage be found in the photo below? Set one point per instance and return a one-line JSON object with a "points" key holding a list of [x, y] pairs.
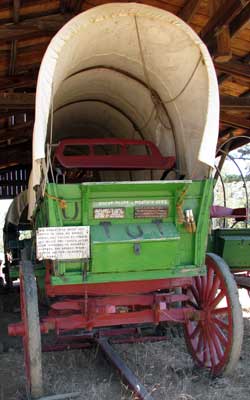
{"points": [[244, 151], [235, 178]]}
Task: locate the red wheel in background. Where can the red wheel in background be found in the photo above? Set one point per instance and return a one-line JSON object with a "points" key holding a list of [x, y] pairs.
{"points": [[215, 342], [32, 337]]}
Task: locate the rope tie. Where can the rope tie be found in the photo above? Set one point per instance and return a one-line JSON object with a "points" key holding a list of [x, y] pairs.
{"points": [[62, 203]]}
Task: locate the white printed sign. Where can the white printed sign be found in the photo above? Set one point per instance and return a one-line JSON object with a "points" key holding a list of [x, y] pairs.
{"points": [[62, 243]]}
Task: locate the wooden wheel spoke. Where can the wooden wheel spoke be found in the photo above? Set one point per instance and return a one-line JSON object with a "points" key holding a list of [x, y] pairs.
{"points": [[195, 332], [221, 311], [221, 323], [192, 304], [217, 344], [195, 294], [210, 280], [198, 285], [220, 335], [203, 287], [205, 349], [200, 343], [215, 287], [211, 349], [217, 299]]}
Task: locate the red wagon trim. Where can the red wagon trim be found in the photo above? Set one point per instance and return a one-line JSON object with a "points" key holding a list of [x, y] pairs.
{"points": [[153, 159]]}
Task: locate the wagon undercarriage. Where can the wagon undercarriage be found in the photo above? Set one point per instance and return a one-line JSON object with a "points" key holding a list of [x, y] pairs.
{"points": [[207, 307]]}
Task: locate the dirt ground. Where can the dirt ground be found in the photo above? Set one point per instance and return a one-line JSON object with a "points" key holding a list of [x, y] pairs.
{"points": [[165, 368]]}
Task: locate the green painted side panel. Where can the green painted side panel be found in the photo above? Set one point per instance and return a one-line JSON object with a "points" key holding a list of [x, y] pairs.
{"points": [[188, 270], [118, 252], [233, 245], [153, 251], [122, 233]]}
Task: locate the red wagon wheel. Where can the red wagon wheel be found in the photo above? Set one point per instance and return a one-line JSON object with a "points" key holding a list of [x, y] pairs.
{"points": [[215, 341], [32, 337]]}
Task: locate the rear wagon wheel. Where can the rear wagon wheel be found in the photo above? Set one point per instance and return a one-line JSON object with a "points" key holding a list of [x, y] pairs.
{"points": [[215, 342]]}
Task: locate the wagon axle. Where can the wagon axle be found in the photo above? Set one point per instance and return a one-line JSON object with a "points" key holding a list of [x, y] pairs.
{"points": [[75, 314]]}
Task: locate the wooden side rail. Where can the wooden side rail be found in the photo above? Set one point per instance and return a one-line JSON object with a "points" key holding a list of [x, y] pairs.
{"points": [[125, 154], [239, 214]]}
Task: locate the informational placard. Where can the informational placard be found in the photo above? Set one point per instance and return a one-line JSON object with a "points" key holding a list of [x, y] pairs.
{"points": [[62, 243], [105, 213]]}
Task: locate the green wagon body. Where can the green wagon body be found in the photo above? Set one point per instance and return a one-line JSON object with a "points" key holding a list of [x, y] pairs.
{"points": [[131, 248], [233, 245]]}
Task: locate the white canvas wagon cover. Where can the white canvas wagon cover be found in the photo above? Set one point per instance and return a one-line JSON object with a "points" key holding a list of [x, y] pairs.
{"points": [[132, 71]]}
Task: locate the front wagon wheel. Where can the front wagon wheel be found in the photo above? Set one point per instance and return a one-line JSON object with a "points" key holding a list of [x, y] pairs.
{"points": [[215, 341], [32, 336]]}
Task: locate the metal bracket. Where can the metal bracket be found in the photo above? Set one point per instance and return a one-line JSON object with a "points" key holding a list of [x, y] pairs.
{"points": [[158, 223], [106, 225], [75, 215], [137, 249], [135, 235]]}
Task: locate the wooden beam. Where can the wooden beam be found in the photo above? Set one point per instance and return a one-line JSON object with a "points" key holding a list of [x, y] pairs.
{"points": [[36, 26], [17, 101], [16, 9], [18, 81], [235, 103], [16, 131], [240, 20], [235, 25], [189, 9], [18, 154], [224, 51], [235, 69], [234, 121], [213, 6], [72, 6], [13, 52], [77, 6], [63, 6], [222, 17], [234, 143]]}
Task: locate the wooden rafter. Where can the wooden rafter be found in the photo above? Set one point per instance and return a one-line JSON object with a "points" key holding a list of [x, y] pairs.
{"points": [[33, 27], [17, 101], [235, 103], [235, 143], [9, 155], [234, 26], [16, 11], [13, 51], [234, 121], [16, 131], [189, 9], [240, 20], [18, 81], [235, 69], [223, 16], [73, 6], [78, 6]]}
